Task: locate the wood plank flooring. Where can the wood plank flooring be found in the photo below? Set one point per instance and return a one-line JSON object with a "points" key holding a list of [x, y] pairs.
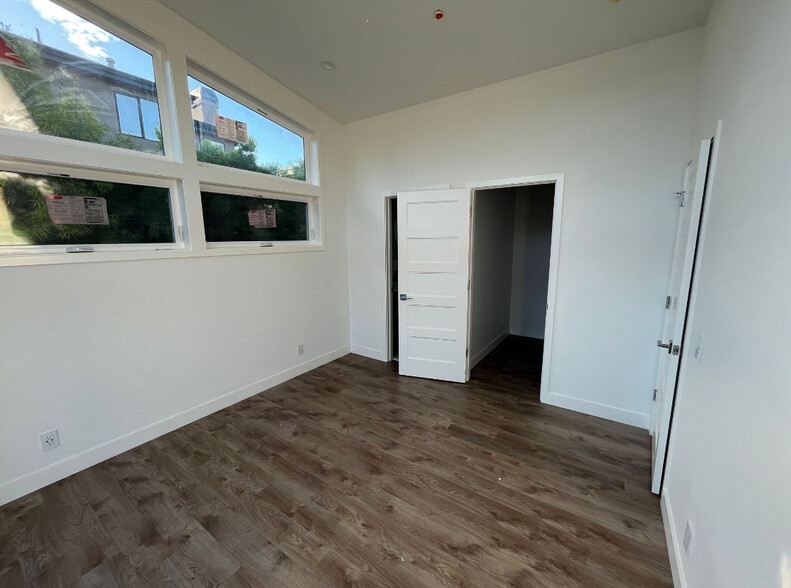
{"points": [[352, 476]]}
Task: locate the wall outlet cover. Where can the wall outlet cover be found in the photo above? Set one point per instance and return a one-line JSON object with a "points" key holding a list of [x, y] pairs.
{"points": [[49, 440], [300, 349]]}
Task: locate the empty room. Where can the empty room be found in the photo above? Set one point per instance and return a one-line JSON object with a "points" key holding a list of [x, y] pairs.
{"points": [[365, 293]]}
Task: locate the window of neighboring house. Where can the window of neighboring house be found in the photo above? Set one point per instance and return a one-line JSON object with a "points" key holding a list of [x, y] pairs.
{"points": [[239, 218], [59, 75], [43, 210], [230, 134], [137, 117]]}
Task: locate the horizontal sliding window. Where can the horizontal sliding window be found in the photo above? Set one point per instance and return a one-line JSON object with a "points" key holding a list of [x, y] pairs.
{"points": [[230, 134], [64, 76], [229, 217], [38, 210]]}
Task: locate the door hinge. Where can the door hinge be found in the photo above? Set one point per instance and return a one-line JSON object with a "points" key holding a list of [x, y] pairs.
{"points": [[656, 393], [470, 210], [468, 285], [467, 354], [668, 302], [681, 197]]}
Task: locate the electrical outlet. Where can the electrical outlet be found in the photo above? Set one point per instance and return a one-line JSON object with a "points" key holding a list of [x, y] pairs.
{"points": [[688, 536], [49, 440], [300, 349]]}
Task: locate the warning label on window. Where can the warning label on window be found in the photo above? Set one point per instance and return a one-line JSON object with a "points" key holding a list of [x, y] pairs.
{"points": [[233, 130], [263, 219], [77, 210]]}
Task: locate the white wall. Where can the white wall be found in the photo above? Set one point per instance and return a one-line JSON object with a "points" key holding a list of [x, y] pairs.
{"points": [[729, 468], [618, 126], [492, 254], [114, 354], [530, 273]]}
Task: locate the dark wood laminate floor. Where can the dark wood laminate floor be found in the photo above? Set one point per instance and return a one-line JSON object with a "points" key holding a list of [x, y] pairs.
{"points": [[352, 476]]}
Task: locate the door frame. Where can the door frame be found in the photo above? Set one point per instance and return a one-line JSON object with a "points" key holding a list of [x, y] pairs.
{"points": [[558, 179]]}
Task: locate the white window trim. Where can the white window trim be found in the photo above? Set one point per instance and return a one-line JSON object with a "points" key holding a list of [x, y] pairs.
{"points": [[10, 139], [177, 169], [180, 235], [230, 90], [313, 243]]}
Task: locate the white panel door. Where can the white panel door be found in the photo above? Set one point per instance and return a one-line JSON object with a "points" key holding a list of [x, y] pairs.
{"points": [[671, 346], [433, 272]]}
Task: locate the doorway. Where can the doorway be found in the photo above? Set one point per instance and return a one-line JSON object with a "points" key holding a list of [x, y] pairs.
{"points": [[510, 261], [391, 265], [429, 272]]}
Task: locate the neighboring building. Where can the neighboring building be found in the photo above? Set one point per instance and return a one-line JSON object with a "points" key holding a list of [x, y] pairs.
{"points": [[205, 108], [125, 103]]}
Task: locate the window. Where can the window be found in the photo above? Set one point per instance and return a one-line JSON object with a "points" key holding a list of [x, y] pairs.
{"points": [[92, 145], [230, 134], [61, 210], [230, 217], [71, 78], [137, 117]]}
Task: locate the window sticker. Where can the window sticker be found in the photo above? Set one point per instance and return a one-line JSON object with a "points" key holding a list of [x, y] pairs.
{"points": [[263, 219], [233, 130], [77, 210]]}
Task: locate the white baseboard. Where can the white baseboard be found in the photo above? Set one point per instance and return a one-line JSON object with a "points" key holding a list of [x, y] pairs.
{"points": [[487, 350], [605, 411], [71, 465], [369, 352], [673, 545]]}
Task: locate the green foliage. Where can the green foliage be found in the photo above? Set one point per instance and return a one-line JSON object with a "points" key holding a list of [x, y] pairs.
{"points": [[225, 217], [243, 156], [138, 214], [63, 115]]}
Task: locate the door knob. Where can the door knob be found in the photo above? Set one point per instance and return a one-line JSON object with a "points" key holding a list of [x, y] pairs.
{"points": [[405, 297]]}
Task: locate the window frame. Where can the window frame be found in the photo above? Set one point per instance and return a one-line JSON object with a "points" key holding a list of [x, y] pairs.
{"points": [[158, 52], [176, 201], [313, 241], [178, 169], [238, 94]]}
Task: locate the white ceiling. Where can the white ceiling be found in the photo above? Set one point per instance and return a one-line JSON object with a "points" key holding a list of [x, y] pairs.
{"points": [[393, 53]]}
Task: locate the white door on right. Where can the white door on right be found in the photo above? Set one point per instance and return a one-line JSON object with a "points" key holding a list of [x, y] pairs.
{"points": [[671, 345]]}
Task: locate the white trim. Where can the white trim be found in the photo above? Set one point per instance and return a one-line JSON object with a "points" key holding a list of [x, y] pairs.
{"points": [[515, 182], [673, 546], [558, 179], [369, 352], [52, 473], [476, 359], [598, 409]]}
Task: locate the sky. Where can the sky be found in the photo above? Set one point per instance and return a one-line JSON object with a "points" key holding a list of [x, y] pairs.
{"points": [[275, 144], [64, 30]]}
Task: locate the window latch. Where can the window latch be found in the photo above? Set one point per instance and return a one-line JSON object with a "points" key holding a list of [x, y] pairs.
{"points": [[79, 249]]}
